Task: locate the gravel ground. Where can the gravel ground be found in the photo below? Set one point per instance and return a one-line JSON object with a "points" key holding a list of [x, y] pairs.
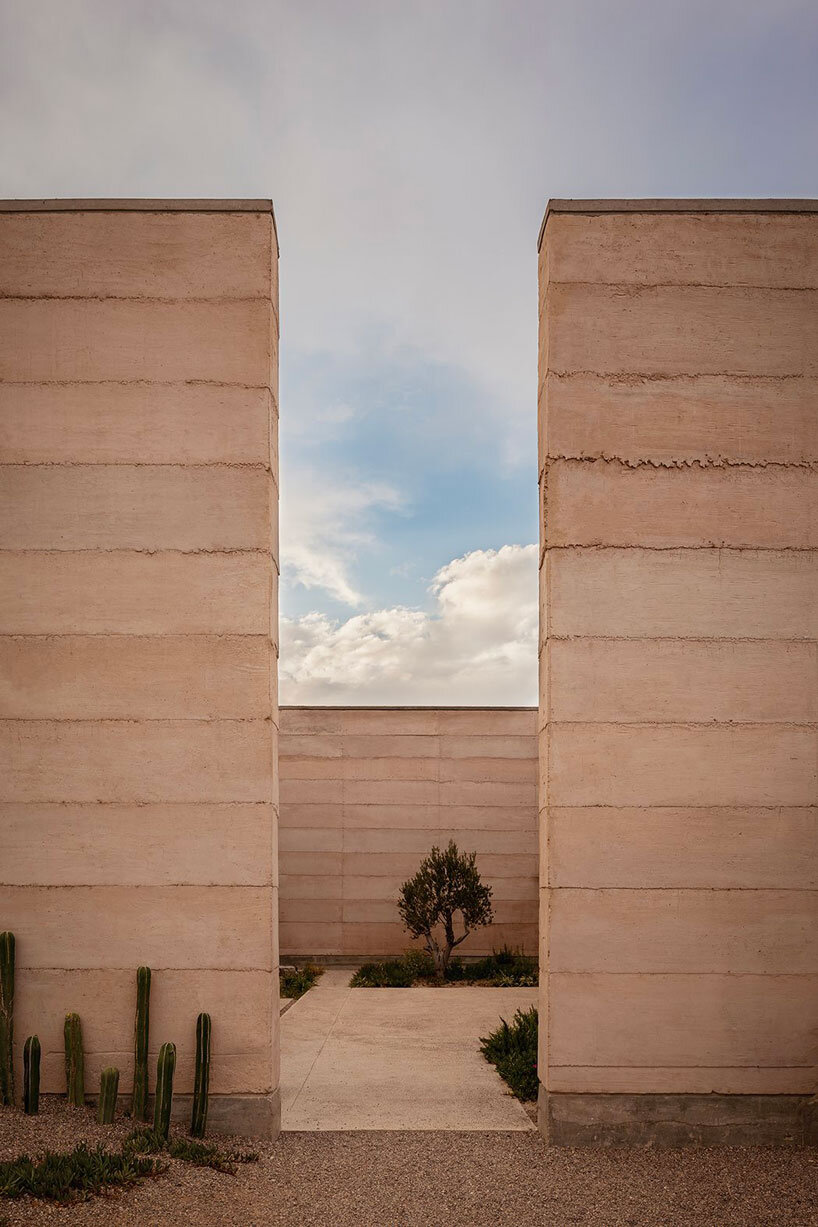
{"points": [[435, 1180]]}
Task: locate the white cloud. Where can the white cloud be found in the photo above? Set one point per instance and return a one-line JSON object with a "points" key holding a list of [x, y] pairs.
{"points": [[478, 645], [323, 525]]}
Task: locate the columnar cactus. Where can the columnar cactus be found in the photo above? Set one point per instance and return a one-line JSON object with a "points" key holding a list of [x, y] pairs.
{"points": [[108, 1089], [74, 1062], [139, 1100], [164, 1089], [31, 1076], [201, 1081], [7, 1094]]}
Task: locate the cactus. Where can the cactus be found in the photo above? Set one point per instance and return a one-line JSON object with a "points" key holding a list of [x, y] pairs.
{"points": [[108, 1088], [31, 1076], [74, 1063], [139, 1100], [7, 1095], [198, 1122], [164, 1089]]}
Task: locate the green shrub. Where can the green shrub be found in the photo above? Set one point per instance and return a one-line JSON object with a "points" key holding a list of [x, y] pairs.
{"points": [[504, 968], [420, 963], [393, 973], [512, 1050], [297, 983]]}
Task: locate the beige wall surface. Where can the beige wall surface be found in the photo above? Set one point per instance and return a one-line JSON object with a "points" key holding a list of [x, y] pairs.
{"points": [[138, 630], [679, 663], [366, 792]]}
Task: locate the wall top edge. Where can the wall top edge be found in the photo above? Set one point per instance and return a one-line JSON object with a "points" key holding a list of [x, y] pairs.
{"points": [[406, 707], [669, 205], [136, 205], [102, 204]]}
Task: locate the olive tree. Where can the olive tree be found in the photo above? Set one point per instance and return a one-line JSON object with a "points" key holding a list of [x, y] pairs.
{"points": [[446, 883]]}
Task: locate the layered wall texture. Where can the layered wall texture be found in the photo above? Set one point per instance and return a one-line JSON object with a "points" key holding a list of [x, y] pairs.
{"points": [[679, 669], [138, 612], [366, 792]]}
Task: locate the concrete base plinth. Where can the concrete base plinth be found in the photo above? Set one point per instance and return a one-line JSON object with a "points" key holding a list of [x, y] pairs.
{"points": [[249, 1116], [674, 1120]]}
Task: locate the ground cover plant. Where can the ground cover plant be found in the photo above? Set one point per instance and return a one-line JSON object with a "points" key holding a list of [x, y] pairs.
{"points": [[85, 1172], [447, 883], [504, 968], [297, 981], [74, 1175], [512, 1050]]}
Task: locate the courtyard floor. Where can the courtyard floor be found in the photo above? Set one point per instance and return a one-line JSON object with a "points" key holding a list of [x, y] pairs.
{"points": [[395, 1058], [437, 1179]]}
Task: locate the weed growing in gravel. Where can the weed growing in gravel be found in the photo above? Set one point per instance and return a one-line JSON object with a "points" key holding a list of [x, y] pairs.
{"points": [[200, 1154], [296, 983], [512, 1050], [74, 1175]]}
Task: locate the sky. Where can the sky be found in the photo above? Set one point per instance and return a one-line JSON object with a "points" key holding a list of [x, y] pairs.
{"points": [[410, 147]]}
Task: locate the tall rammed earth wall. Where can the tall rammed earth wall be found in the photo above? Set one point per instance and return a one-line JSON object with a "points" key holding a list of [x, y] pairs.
{"points": [[138, 612], [366, 792], [679, 669]]}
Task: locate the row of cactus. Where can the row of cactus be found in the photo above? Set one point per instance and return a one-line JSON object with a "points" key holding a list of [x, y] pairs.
{"points": [[109, 1079]]}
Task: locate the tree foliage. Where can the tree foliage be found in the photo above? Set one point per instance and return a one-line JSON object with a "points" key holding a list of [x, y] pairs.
{"points": [[446, 883]]}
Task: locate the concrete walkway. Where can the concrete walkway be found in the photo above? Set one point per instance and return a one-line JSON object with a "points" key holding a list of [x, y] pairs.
{"points": [[395, 1058]]}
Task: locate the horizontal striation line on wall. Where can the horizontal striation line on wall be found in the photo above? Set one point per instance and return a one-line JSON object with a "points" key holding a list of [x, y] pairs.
{"points": [[257, 465], [678, 549], [129, 383], [150, 299]]}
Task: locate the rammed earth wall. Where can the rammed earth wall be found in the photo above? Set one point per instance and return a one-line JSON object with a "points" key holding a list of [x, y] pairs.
{"points": [[366, 792], [138, 612], [679, 669]]}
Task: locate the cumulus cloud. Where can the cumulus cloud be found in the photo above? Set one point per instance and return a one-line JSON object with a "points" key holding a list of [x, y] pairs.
{"points": [[478, 644], [324, 522]]}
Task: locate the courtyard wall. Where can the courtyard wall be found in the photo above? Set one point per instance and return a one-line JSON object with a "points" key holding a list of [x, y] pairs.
{"points": [[138, 611], [679, 668], [366, 792]]}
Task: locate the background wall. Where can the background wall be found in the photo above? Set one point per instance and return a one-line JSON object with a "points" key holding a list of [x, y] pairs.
{"points": [[138, 354], [366, 792], [679, 696]]}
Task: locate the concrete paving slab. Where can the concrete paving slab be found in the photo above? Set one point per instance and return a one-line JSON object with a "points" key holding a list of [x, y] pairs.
{"points": [[391, 1058]]}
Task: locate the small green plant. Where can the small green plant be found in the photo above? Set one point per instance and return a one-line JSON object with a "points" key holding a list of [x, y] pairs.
{"points": [[75, 1175], [296, 983], [201, 1079], [139, 1098], [512, 1050], [7, 1091], [108, 1090], [163, 1099], [31, 1076], [446, 883], [200, 1154], [74, 1061]]}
